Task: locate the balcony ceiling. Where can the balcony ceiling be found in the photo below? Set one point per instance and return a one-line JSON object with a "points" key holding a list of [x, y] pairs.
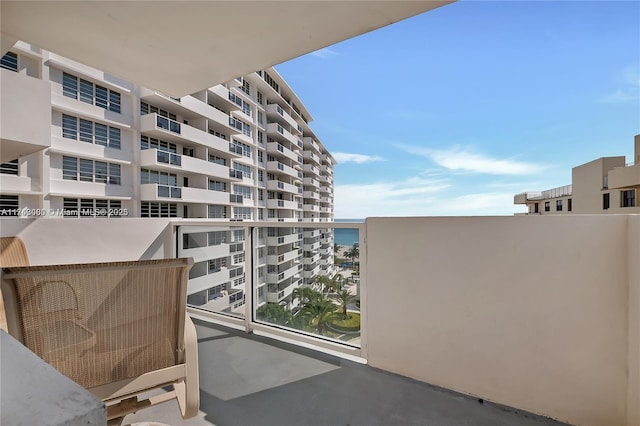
{"points": [[180, 47]]}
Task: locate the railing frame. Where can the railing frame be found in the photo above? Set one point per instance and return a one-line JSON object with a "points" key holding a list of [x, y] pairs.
{"points": [[248, 324]]}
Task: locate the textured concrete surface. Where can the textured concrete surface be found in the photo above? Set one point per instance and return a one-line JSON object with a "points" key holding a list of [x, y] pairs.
{"points": [[33, 393], [250, 380]]}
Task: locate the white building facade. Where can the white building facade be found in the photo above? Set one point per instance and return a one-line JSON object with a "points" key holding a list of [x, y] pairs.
{"points": [[239, 151]]}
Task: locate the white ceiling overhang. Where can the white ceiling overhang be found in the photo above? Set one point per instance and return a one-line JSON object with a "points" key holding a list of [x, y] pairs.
{"points": [[180, 47]]}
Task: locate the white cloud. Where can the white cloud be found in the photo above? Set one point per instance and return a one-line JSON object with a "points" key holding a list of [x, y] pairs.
{"points": [[417, 197], [324, 53], [391, 198], [620, 95], [628, 80], [345, 157], [462, 159]]}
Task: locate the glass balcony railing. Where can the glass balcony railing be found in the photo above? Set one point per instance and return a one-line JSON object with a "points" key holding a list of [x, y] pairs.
{"points": [[169, 158], [169, 191], [264, 274], [168, 124], [235, 174]]}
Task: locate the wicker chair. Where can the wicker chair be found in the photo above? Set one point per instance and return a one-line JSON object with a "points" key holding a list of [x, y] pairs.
{"points": [[118, 329]]}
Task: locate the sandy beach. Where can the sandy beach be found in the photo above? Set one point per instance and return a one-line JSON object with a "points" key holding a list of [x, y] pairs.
{"points": [[342, 250]]}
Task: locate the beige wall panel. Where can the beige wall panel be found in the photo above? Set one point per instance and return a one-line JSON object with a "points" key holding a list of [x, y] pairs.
{"points": [[529, 312]]}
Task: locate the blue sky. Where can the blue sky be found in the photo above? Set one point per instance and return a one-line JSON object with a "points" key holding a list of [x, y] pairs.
{"points": [[454, 111]]}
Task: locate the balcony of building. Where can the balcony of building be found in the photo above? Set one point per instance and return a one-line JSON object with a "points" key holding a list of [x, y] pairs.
{"points": [[625, 177], [277, 113], [220, 95], [312, 182], [310, 144], [282, 204], [25, 121], [14, 184], [164, 128], [311, 157], [283, 272], [463, 317], [278, 240], [278, 292], [284, 256], [311, 169], [276, 185], [279, 149], [278, 167], [311, 196], [164, 101], [277, 131]]}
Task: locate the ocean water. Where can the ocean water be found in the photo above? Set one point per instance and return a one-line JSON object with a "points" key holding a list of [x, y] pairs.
{"points": [[348, 236]]}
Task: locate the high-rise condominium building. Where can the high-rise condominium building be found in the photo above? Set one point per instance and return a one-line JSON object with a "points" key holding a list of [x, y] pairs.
{"points": [[605, 185], [238, 151]]}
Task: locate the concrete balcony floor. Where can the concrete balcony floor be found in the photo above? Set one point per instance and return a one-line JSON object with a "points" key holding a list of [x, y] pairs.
{"points": [[252, 380]]}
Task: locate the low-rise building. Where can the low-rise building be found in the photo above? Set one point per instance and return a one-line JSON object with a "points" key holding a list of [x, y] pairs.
{"points": [[605, 185]]}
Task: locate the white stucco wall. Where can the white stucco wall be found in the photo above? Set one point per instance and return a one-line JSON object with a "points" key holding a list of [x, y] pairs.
{"points": [[64, 240], [529, 312]]}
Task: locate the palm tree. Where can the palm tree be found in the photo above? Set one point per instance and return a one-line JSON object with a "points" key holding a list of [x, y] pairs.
{"points": [[305, 294], [353, 253], [319, 311], [344, 297], [330, 285], [274, 314]]}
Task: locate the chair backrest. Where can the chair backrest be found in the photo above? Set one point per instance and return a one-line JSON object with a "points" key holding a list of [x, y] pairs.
{"points": [[13, 252], [100, 323]]}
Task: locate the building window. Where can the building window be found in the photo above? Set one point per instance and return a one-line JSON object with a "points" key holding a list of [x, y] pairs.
{"points": [[149, 209], [162, 178], [9, 205], [86, 207], [218, 134], [215, 265], [88, 131], [260, 137], [246, 87], [260, 118], [94, 94], [216, 185], [217, 237], [90, 171], [628, 198], [10, 168], [569, 205], [242, 213], [245, 191], [246, 129], [260, 98], [9, 62], [240, 148], [153, 143], [271, 82], [217, 160], [246, 170], [547, 206], [238, 235], [558, 205], [146, 108], [605, 201], [217, 212], [246, 108]]}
